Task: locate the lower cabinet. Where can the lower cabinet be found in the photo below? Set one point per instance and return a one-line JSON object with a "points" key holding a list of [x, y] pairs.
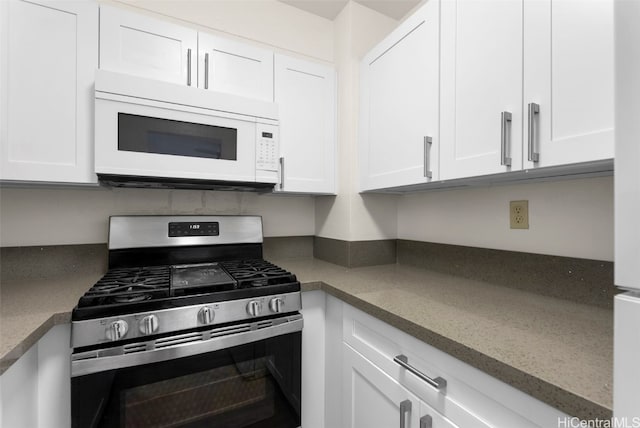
{"points": [[373, 399], [35, 390]]}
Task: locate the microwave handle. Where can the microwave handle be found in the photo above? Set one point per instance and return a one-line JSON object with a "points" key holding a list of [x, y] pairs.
{"points": [[281, 172]]}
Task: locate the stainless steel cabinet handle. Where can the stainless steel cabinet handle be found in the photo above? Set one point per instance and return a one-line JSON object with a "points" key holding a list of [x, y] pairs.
{"points": [[426, 422], [533, 110], [405, 409], [505, 118], [427, 145], [189, 67], [438, 383], [282, 173], [206, 71]]}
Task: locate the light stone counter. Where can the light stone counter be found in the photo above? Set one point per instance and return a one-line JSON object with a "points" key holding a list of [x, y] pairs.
{"points": [[556, 350]]}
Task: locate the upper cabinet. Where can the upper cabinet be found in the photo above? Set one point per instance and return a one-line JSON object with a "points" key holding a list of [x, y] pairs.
{"points": [[522, 85], [568, 82], [481, 87], [306, 95], [399, 105], [48, 57], [140, 45], [228, 66]]}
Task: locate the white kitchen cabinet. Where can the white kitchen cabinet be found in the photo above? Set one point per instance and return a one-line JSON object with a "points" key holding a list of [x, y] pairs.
{"points": [[550, 65], [399, 105], [36, 388], [481, 88], [225, 65], [137, 44], [373, 399], [471, 398], [48, 57], [306, 95], [568, 73]]}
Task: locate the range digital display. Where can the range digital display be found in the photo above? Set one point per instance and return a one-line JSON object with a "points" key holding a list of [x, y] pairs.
{"points": [[209, 228]]}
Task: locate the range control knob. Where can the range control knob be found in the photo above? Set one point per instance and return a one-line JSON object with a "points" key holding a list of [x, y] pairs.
{"points": [[276, 305], [149, 324], [253, 308], [117, 330], [206, 315]]}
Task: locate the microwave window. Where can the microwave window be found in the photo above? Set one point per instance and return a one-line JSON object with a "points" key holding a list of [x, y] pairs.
{"points": [[171, 137]]}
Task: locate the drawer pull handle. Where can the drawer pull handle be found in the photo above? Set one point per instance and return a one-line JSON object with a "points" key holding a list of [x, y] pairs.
{"points": [[426, 422], [405, 409], [438, 383], [427, 145]]}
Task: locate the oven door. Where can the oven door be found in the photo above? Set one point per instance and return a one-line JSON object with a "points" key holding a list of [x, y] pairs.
{"points": [[235, 376]]}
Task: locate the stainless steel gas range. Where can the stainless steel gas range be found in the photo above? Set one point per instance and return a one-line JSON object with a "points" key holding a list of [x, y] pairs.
{"points": [[189, 327]]}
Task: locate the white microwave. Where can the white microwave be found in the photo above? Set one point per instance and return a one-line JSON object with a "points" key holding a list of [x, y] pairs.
{"points": [[157, 134]]}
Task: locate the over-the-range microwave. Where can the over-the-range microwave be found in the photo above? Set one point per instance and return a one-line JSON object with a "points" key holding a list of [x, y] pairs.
{"points": [[156, 134]]}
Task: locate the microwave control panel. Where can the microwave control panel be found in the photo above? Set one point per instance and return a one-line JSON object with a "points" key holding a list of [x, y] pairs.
{"points": [[267, 150]]}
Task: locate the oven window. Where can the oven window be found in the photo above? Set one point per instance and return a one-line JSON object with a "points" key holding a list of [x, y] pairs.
{"points": [[171, 137], [256, 385]]}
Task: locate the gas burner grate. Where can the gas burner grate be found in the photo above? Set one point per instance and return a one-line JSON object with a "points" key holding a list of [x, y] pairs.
{"points": [[128, 285], [257, 273]]}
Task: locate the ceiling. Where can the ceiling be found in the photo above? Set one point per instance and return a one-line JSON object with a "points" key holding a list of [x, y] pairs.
{"points": [[329, 9]]}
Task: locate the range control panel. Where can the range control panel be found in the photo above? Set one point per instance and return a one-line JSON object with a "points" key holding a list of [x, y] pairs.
{"points": [[177, 229], [267, 150]]}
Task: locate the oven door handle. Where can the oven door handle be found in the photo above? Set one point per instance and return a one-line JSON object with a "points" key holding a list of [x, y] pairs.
{"points": [[179, 346]]}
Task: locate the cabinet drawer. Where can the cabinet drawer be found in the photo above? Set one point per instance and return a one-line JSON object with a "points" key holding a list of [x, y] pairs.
{"points": [[471, 398]]}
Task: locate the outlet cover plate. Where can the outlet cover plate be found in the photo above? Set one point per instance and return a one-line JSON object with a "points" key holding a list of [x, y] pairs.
{"points": [[519, 214]]}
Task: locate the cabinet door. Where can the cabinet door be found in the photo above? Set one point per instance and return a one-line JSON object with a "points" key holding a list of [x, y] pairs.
{"points": [[48, 59], [399, 105], [136, 44], [306, 97], [568, 73], [228, 66], [373, 399], [481, 79]]}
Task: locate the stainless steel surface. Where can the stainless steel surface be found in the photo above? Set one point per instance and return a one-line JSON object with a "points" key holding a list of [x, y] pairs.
{"points": [[282, 173], [148, 324], [438, 383], [188, 67], [254, 308], [505, 140], [533, 110], [275, 305], [116, 330], [427, 147], [152, 231], [182, 345], [92, 332], [206, 315], [405, 410], [426, 421], [206, 70]]}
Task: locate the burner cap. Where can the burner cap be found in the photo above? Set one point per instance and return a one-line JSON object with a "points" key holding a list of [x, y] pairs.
{"points": [[132, 298]]}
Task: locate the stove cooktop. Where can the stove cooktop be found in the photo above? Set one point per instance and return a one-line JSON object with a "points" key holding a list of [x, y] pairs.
{"points": [[137, 289]]}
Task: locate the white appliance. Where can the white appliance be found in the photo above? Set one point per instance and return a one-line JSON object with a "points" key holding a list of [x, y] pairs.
{"points": [[626, 381], [155, 134]]}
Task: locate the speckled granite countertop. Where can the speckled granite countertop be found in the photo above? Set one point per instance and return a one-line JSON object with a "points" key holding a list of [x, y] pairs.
{"points": [[555, 350]]}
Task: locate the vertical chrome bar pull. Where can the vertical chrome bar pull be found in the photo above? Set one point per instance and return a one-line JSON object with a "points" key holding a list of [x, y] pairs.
{"points": [[189, 67], [405, 409], [428, 141], [534, 109], [282, 173], [426, 421], [505, 140], [206, 70]]}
